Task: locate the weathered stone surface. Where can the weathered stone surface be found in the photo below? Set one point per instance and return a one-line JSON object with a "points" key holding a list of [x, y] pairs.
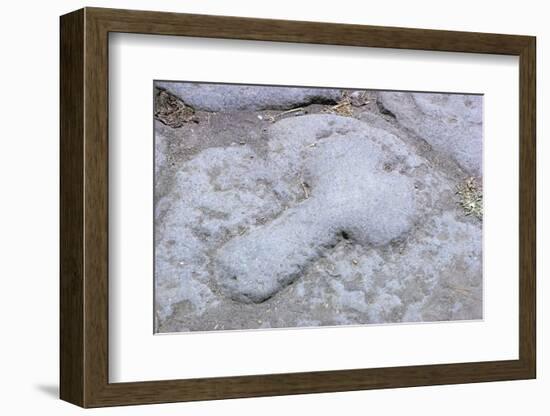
{"points": [[325, 220], [221, 97], [352, 187], [204, 205], [451, 123]]}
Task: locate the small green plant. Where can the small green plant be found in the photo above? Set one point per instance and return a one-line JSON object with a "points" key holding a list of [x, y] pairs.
{"points": [[471, 197]]}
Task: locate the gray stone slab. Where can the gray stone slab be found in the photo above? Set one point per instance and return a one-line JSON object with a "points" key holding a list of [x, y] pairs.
{"points": [[451, 123], [231, 97]]}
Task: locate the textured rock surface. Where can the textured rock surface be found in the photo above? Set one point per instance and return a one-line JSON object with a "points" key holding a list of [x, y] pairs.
{"points": [[310, 220], [451, 123], [353, 187], [225, 97]]}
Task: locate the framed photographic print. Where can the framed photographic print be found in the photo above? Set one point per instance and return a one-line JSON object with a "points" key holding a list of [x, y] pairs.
{"points": [[256, 207]]}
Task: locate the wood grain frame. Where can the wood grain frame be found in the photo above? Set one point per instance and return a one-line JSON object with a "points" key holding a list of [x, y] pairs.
{"points": [[84, 218]]}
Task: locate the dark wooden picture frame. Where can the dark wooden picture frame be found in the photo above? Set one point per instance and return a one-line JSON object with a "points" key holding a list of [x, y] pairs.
{"points": [[84, 207]]}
